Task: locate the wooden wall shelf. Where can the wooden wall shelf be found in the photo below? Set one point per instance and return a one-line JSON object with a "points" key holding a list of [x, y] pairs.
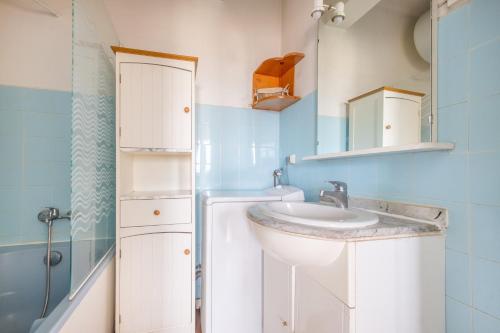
{"points": [[277, 103], [276, 72]]}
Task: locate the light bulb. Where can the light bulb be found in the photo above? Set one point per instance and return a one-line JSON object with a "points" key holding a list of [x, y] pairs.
{"points": [[338, 19]]}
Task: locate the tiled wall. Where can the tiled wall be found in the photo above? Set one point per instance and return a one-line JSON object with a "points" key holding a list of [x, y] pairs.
{"points": [[35, 153], [466, 180], [236, 148]]}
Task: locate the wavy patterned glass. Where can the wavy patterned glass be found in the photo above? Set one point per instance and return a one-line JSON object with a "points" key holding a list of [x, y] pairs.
{"points": [[93, 139]]}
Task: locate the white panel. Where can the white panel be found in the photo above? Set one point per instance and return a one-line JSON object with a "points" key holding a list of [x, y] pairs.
{"points": [[338, 277], [167, 105], [155, 283], [316, 309], [98, 303], [364, 124], [146, 105], [130, 105], [152, 172], [142, 212], [401, 121], [277, 296], [400, 285], [181, 125], [153, 98], [157, 117], [236, 272]]}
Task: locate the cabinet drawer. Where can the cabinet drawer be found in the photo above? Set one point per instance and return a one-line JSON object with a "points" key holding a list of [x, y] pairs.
{"points": [[138, 213]]}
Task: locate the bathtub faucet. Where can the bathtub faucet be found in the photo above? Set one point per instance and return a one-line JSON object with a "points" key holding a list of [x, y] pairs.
{"points": [[49, 214]]}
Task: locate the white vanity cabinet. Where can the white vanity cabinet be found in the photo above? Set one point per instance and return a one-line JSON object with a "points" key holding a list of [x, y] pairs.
{"points": [[277, 295], [385, 117], [377, 286], [155, 266]]}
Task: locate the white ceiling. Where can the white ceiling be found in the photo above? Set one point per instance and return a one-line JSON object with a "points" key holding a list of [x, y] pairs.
{"points": [[407, 7]]}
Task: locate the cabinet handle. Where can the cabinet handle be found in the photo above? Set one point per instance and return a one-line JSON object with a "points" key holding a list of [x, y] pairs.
{"points": [[187, 252], [156, 212], [284, 323], [388, 127], [186, 109]]}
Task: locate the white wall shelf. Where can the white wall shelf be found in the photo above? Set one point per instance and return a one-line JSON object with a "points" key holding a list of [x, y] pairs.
{"points": [[420, 147]]}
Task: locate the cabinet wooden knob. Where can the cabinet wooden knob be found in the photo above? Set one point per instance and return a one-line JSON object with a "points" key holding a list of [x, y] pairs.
{"points": [[187, 252], [186, 109], [388, 127], [156, 212]]}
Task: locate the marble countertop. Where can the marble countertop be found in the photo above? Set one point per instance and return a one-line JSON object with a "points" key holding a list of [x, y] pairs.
{"points": [[395, 220]]}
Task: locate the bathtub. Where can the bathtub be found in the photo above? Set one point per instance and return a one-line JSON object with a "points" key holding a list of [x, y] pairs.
{"points": [[22, 284]]}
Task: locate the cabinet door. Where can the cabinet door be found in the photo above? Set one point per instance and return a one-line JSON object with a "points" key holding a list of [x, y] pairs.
{"points": [[401, 121], [317, 309], [277, 296], [155, 106], [155, 283]]}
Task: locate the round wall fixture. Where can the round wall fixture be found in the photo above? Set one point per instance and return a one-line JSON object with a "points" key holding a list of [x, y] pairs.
{"points": [[422, 36]]}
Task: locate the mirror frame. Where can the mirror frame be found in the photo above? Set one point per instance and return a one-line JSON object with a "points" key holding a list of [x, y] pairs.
{"points": [[423, 146]]}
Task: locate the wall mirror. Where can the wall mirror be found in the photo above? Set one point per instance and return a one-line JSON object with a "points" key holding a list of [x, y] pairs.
{"points": [[375, 76]]}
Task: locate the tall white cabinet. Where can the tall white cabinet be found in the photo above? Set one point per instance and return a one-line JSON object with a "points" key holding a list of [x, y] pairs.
{"points": [[155, 231]]}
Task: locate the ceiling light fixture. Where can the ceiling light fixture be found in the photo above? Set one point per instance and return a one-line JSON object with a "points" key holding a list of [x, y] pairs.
{"points": [[320, 8]]}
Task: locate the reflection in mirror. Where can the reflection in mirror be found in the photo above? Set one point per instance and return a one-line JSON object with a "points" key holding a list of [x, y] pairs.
{"points": [[374, 76]]}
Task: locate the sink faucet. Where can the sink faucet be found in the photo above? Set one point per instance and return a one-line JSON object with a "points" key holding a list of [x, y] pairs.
{"points": [[276, 175], [338, 196]]}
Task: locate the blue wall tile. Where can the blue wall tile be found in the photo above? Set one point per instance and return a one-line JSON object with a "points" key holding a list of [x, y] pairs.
{"points": [[484, 121], [453, 126], [486, 232], [453, 80], [457, 276], [396, 174], [485, 70], [484, 20], [332, 134], [437, 175], [237, 148], [484, 323], [35, 145], [453, 34], [485, 180], [458, 317], [298, 128], [366, 186], [457, 234], [487, 286]]}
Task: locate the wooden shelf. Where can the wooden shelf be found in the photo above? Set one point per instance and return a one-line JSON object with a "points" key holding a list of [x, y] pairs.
{"points": [[155, 54], [273, 73], [278, 66], [275, 103], [397, 90]]}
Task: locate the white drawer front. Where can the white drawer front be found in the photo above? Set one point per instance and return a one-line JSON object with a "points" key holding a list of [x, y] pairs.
{"points": [[138, 213]]}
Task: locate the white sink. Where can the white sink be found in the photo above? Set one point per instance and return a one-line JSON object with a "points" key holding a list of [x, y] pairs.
{"points": [[296, 249], [318, 215]]}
